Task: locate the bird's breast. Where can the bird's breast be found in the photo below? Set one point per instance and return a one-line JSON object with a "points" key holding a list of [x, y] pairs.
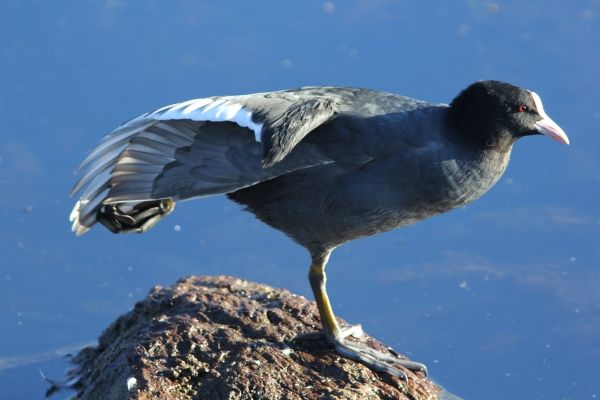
{"points": [[459, 181]]}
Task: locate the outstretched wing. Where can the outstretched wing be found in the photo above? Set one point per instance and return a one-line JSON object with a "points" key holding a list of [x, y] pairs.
{"points": [[198, 148]]}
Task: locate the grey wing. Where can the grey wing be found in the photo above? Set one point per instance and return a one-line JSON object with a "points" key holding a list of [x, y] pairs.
{"points": [[196, 148]]}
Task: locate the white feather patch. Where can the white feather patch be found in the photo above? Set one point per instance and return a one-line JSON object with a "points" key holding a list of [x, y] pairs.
{"points": [[215, 110], [74, 218]]}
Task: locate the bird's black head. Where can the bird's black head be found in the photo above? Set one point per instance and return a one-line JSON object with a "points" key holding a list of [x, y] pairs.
{"points": [[494, 113]]}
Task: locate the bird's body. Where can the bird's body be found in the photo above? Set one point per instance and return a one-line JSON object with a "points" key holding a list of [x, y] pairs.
{"points": [[364, 191], [324, 165]]}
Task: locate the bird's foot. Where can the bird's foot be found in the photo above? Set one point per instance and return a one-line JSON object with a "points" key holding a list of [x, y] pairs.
{"points": [[134, 218], [374, 359]]}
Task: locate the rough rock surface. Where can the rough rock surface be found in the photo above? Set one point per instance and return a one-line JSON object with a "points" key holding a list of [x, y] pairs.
{"points": [[225, 338]]}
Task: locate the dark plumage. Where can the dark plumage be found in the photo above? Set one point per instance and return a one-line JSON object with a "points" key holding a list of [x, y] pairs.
{"points": [[324, 165]]}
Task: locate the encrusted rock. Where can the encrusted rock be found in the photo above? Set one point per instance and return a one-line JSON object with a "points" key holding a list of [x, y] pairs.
{"points": [[225, 338]]}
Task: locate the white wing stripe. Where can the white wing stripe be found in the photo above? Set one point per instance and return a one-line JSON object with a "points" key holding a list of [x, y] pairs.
{"points": [[209, 110], [196, 105], [214, 104]]}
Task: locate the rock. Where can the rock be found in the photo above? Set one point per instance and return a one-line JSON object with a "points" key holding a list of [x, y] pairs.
{"points": [[226, 338]]}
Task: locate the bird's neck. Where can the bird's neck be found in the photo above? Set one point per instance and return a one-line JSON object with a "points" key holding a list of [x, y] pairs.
{"points": [[493, 150], [478, 132], [485, 141]]}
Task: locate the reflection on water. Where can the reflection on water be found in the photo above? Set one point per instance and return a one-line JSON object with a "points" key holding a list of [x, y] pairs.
{"points": [[31, 377], [499, 298]]}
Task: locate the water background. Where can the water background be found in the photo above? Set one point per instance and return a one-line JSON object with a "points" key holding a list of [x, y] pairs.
{"points": [[501, 299]]}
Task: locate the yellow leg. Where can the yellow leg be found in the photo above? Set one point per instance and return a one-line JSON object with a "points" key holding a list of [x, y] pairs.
{"points": [[317, 279], [373, 359]]}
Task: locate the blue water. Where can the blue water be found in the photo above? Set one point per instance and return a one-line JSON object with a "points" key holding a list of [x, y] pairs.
{"points": [[501, 299]]}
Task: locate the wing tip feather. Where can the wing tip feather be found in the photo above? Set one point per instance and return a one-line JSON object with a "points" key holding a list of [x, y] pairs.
{"points": [[77, 227]]}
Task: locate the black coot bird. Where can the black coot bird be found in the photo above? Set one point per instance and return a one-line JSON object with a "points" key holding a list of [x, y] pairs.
{"points": [[324, 165]]}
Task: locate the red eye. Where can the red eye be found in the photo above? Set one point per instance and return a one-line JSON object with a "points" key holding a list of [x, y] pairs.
{"points": [[521, 108]]}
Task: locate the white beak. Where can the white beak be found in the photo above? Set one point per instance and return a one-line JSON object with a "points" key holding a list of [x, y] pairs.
{"points": [[551, 129], [546, 126]]}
